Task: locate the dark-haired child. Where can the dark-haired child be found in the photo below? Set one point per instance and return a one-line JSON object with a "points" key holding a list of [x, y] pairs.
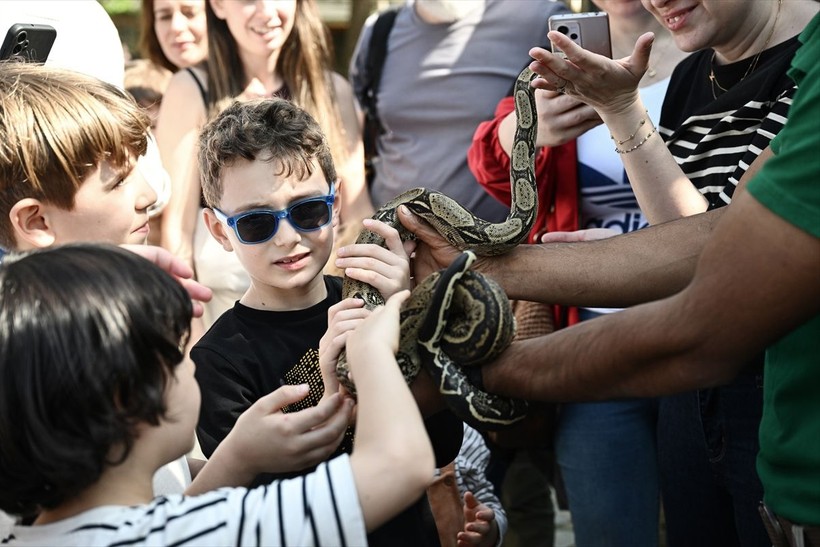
{"points": [[97, 394]]}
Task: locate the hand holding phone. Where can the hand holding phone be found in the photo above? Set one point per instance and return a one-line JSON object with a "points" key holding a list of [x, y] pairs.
{"points": [[588, 30]]}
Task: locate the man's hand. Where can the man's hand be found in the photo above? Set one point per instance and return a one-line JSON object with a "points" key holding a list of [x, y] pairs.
{"points": [[433, 252]]}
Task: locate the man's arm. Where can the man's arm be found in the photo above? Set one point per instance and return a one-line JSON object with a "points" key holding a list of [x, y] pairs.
{"points": [[616, 272], [620, 271], [755, 281]]}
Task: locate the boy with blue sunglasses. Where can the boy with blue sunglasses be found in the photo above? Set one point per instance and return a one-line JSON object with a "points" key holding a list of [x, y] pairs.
{"points": [[269, 181]]}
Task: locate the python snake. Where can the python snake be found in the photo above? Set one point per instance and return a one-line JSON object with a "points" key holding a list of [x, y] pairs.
{"points": [[460, 318]]}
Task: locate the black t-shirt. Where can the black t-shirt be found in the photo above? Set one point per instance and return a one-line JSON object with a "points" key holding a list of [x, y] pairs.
{"points": [[248, 353]]}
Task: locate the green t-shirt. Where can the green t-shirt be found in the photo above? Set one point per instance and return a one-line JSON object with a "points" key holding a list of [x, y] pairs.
{"points": [[789, 185]]}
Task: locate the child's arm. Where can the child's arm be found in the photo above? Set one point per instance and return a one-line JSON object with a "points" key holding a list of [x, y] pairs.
{"points": [[342, 318], [392, 458], [480, 526], [265, 440], [386, 269]]}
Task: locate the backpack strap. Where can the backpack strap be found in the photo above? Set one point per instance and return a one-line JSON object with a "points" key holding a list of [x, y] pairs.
{"points": [[376, 55]]}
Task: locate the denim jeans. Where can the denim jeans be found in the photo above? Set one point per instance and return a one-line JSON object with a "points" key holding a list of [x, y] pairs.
{"points": [[707, 451], [607, 456]]}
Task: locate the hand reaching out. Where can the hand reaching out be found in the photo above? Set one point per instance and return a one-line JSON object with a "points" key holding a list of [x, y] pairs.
{"points": [[266, 440], [386, 269], [606, 84], [270, 441], [561, 118], [342, 318], [433, 252], [178, 268], [480, 527]]}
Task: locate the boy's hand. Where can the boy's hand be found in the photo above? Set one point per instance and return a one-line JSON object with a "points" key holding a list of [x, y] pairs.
{"points": [[388, 270], [342, 318], [380, 329], [266, 440], [480, 527], [177, 268]]}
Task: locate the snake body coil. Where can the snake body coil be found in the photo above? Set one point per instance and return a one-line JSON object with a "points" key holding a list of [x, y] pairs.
{"points": [[459, 318]]}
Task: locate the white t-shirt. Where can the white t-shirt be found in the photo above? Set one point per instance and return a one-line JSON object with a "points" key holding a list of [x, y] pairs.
{"points": [[321, 508]]}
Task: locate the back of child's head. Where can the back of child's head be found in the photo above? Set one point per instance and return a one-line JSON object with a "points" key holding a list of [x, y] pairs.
{"points": [[56, 127], [271, 130], [89, 337], [146, 81]]}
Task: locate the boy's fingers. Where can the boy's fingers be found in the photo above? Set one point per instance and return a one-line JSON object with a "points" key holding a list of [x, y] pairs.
{"points": [[398, 299], [285, 395], [391, 235]]}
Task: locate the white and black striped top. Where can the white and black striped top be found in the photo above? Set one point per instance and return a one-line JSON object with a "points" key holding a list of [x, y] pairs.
{"points": [[471, 474], [717, 139], [320, 509]]}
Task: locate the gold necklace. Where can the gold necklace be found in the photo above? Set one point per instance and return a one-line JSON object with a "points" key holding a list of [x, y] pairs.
{"points": [[713, 80]]}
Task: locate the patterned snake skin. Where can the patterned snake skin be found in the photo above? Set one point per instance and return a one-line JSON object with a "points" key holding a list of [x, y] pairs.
{"points": [[459, 318]]}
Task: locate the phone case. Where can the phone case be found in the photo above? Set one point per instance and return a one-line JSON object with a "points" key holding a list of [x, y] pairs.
{"points": [[29, 42], [588, 30]]}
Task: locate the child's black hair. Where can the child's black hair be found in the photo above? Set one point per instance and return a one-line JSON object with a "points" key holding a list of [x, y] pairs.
{"points": [[89, 336]]}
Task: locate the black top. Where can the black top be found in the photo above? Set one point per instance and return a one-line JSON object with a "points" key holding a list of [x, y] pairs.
{"points": [[248, 353]]}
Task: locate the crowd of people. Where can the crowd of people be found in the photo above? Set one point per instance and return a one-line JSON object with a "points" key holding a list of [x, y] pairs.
{"points": [[176, 231]]}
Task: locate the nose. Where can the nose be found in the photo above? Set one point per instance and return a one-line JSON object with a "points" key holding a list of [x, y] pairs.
{"points": [[146, 195], [286, 235], [178, 22], [269, 8]]}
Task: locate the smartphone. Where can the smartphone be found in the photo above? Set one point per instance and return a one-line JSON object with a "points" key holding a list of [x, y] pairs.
{"points": [[588, 30], [28, 42]]}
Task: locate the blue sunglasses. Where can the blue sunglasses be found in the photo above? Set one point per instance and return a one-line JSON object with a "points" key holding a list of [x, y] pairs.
{"points": [[259, 225]]}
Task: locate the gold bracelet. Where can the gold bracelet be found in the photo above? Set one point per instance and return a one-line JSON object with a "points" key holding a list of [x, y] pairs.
{"points": [[640, 143], [632, 136]]}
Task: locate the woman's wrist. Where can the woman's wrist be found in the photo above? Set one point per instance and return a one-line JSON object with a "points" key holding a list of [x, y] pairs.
{"points": [[628, 125]]}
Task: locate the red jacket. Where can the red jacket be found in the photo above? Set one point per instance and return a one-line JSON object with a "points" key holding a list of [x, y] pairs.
{"points": [[556, 172]]}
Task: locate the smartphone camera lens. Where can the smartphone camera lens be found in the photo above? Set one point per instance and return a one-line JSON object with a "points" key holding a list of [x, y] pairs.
{"points": [[563, 29], [21, 37]]}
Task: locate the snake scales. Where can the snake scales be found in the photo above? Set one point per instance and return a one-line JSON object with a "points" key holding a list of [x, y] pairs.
{"points": [[459, 318]]}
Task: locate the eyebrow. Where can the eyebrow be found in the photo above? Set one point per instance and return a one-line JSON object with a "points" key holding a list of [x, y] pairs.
{"points": [[255, 206]]}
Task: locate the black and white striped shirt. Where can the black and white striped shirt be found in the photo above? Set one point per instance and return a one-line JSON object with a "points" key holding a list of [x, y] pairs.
{"points": [[471, 474], [716, 140], [320, 509]]}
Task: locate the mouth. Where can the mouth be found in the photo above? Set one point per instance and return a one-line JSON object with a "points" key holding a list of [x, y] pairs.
{"points": [[677, 19], [290, 261], [144, 229], [265, 32]]}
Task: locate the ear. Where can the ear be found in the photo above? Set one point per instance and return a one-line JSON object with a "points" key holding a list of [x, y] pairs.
{"points": [[217, 229], [30, 224], [218, 8]]}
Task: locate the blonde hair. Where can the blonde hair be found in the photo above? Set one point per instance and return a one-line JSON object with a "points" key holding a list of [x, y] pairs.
{"points": [[56, 127], [304, 64]]}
